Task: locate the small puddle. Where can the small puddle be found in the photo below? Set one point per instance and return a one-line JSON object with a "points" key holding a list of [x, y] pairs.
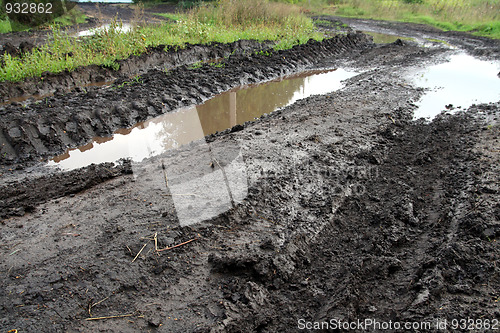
{"points": [[21, 99], [457, 84], [226, 110], [380, 38], [384, 38], [125, 27]]}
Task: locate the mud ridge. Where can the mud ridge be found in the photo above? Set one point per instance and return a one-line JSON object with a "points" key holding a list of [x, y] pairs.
{"points": [[21, 197]]}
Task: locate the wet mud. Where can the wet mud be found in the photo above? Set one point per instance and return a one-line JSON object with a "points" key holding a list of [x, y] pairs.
{"points": [[337, 207]]}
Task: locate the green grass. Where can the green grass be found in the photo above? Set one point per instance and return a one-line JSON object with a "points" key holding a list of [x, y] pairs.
{"points": [[73, 17], [229, 21], [7, 26], [480, 17]]}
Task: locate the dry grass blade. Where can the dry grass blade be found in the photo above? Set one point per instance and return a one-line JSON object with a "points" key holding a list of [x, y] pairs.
{"points": [[140, 251], [173, 247], [109, 317]]}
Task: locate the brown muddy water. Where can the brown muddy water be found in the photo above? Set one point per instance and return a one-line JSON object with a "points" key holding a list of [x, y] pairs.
{"points": [[174, 129], [381, 38]]}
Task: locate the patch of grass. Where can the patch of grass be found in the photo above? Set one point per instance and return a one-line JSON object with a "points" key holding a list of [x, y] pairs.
{"points": [[264, 53], [481, 17], [137, 79], [309, 6], [7, 26], [172, 16], [225, 21], [74, 16], [196, 65]]}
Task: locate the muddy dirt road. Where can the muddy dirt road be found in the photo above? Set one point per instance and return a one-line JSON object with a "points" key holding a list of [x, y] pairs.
{"points": [[338, 208]]}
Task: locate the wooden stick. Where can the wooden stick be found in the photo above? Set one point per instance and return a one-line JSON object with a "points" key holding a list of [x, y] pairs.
{"points": [[164, 173], [109, 317], [172, 247], [156, 241], [140, 251], [102, 300]]}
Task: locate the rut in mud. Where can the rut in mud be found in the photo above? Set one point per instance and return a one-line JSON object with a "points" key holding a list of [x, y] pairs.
{"points": [[339, 206]]}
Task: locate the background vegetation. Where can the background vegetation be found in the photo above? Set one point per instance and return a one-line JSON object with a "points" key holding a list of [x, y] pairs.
{"points": [[481, 17]]}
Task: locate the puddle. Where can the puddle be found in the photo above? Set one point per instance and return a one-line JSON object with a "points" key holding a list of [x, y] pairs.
{"points": [[226, 110], [461, 82], [125, 27], [384, 38], [21, 99], [380, 38], [432, 41]]}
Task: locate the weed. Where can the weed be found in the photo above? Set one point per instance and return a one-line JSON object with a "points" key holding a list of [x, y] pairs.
{"points": [[326, 23], [217, 64], [196, 65], [264, 53], [136, 80]]}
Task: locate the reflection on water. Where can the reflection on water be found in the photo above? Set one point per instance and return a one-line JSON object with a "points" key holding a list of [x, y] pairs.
{"points": [[124, 27], [145, 139], [241, 105], [461, 82], [380, 38], [174, 129]]}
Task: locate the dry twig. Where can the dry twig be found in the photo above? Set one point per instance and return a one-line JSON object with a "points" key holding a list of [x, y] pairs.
{"points": [[172, 247], [140, 251], [109, 317]]}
